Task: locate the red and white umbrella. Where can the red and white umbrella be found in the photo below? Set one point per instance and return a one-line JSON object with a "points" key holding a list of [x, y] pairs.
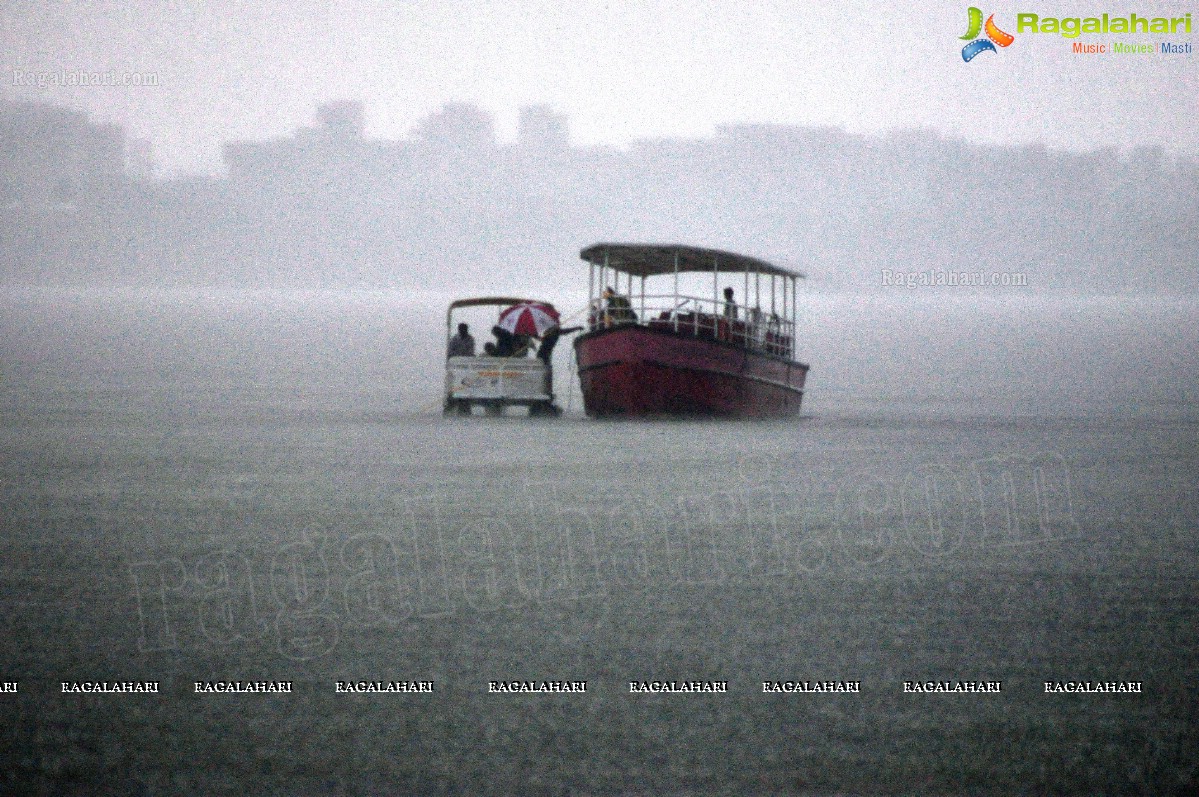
{"points": [[529, 318]]}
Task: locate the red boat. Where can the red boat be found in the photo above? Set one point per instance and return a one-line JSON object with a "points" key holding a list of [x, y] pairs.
{"points": [[683, 350]]}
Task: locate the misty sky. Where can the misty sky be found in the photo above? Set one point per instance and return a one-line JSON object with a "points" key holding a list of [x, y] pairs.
{"points": [[620, 71]]}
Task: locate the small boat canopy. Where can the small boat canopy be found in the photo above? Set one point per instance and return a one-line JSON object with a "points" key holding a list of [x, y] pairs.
{"points": [[647, 260], [489, 300], [486, 300]]}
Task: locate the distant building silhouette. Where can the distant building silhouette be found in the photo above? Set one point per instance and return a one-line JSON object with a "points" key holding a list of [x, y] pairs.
{"points": [[332, 155], [139, 160], [326, 203], [341, 119], [460, 127], [50, 154], [541, 129]]}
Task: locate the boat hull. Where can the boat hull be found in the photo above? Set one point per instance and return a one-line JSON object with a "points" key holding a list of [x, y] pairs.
{"points": [[636, 371]]}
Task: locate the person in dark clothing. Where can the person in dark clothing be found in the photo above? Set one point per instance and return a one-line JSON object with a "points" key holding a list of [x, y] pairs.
{"points": [[505, 342], [551, 340], [546, 351], [462, 344], [619, 309]]}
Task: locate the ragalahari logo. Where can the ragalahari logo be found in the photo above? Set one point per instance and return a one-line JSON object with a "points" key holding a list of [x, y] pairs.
{"points": [[994, 34]]}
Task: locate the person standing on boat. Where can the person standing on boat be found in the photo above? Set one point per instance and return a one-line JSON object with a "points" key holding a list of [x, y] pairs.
{"points": [[550, 340], [730, 306], [545, 351], [462, 344]]}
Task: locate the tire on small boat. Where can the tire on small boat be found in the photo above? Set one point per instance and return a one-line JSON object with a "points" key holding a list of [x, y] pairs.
{"points": [[456, 407], [544, 409]]}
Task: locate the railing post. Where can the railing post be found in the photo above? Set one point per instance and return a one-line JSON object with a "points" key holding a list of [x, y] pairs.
{"points": [[643, 318], [603, 311], [715, 291], [794, 312], [745, 315], [675, 301], [773, 316]]}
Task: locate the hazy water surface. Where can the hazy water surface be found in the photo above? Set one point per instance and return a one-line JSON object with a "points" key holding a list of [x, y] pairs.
{"points": [[258, 486]]}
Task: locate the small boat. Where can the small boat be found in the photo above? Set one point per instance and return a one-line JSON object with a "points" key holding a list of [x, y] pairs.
{"points": [[504, 374], [672, 353]]}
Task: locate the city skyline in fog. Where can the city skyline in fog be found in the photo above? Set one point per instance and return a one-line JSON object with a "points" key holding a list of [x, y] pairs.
{"points": [[617, 73]]}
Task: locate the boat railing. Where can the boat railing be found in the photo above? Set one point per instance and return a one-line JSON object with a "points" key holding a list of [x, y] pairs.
{"points": [[701, 317]]}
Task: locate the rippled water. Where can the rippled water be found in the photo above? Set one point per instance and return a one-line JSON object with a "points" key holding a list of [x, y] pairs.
{"points": [[255, 487]]}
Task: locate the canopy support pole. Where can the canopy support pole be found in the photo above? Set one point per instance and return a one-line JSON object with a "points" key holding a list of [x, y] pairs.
{"points": [[745, 301], [715, 288], [675, 302], [794, 313]]}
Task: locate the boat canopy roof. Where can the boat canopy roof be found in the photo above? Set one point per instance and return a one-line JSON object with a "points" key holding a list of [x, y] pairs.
{"points": [[647, 260], [480, 301], [495, 300]]}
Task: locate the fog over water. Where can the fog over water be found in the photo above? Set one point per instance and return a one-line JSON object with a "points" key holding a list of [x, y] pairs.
{"points": [[901, 353], [223, 457], [249, 485], [209, 482]]}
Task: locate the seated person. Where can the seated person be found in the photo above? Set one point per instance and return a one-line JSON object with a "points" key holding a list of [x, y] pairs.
{"points": [[524, 344], [619, 310], [462, 344], [505, 342]]}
